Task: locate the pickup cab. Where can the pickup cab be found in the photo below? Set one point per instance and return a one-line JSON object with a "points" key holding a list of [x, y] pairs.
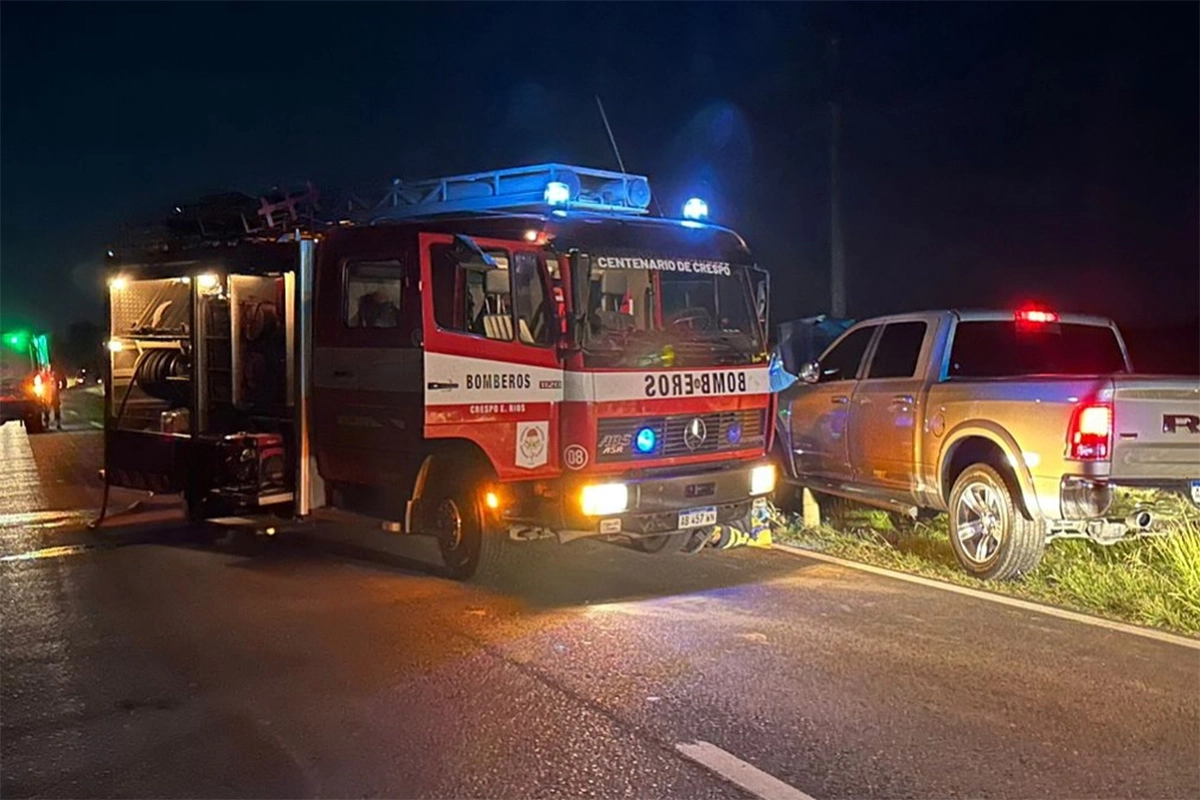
{"points": [[1018, 425]]}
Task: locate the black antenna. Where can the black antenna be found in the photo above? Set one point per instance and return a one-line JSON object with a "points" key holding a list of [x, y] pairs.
{"points": [[613, 141]]}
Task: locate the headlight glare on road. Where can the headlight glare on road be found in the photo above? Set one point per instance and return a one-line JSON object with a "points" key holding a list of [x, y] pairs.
{"points": [[762, 479], [602, 499]]}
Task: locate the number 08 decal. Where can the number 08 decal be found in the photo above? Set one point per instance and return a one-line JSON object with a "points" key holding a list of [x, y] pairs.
{"points": [[575, 456]]}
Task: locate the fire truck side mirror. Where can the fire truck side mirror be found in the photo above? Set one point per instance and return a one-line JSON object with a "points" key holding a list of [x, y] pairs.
{"points": [[467, 252], [581, 267], [762, 294]]}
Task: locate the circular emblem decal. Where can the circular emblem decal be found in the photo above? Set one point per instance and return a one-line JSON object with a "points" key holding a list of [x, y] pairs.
{"points": [[533, 441], [695, 433], [575, 456]]}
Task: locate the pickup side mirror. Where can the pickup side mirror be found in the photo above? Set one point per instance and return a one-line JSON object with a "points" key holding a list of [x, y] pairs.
{"points": [[811, 372]]}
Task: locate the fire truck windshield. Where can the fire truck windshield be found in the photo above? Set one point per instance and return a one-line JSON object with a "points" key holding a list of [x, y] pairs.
{"points": [[648, 312]]}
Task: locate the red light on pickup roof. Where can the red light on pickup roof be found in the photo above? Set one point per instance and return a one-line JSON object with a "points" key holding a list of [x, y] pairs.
{"points": [[1036, 316]]}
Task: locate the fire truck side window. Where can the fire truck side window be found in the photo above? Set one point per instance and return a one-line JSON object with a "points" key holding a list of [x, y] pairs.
{"points": [[373, 294], [530, 300], [473, 298]]}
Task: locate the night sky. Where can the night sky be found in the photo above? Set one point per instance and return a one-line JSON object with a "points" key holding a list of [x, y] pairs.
{"points": [[991, 153]]}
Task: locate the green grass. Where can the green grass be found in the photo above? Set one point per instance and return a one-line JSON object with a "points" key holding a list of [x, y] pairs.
{"points": [[1149, 581]]}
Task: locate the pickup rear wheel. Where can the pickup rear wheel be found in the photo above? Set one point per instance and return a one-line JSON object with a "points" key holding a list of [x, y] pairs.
{"points": [[991, 538]]}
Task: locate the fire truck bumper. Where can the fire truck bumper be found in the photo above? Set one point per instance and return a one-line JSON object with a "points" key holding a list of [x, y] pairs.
{"points": [[665, 503]]}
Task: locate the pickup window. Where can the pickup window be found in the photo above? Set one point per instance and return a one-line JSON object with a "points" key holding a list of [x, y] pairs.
{"points": [[898, 351], [1006, 349], [842, 362]]}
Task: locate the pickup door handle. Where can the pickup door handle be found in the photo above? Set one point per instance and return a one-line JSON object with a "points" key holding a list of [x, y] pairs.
{"points": [[840, 400], [903, 399], [442, 385]]}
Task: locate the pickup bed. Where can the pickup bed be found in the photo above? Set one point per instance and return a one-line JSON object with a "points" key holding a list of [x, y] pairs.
{"points": [[1017, 424]]}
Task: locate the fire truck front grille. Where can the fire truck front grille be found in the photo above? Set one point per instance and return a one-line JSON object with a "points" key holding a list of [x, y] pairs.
{"points": [[679, 434]]}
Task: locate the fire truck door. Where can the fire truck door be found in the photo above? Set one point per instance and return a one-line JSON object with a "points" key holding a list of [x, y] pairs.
{"points": [[367, 367], [492, 371]]}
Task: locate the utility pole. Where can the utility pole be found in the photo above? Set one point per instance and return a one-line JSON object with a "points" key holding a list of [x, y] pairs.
{"points": [[837, 253]]}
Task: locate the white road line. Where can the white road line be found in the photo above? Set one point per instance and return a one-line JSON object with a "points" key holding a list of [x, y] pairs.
{"points": [[738, 772], [1026, 605]]}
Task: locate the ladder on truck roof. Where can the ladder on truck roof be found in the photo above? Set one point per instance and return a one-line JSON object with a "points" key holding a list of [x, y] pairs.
{"points": [[535, 188]]}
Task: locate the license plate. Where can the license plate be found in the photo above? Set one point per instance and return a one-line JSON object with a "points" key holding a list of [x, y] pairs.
{"points": [[1196, 492], [698, 517]]}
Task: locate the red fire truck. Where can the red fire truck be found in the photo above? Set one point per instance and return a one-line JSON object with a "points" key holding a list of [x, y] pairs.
{"points": [[487, 358]]}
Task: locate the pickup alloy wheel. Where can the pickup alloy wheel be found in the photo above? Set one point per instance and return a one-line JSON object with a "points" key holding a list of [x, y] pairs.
{"points": [[979, 521], [991, 538]]}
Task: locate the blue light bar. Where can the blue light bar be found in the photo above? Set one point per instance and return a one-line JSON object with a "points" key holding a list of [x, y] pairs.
{"points": [[522, 188]]}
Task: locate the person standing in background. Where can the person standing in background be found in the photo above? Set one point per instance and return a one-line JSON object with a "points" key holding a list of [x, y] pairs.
{"points": [[58, 384]]}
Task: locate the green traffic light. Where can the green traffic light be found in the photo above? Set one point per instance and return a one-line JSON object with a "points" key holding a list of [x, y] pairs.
{"points": [[18, 340]]}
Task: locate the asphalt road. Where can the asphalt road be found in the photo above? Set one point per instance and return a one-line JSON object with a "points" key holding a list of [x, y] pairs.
{"points": [[133, 663]]}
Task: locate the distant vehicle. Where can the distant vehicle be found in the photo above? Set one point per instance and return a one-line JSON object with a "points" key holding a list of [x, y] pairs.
{"points": [[26, 383], [1018, 424]]}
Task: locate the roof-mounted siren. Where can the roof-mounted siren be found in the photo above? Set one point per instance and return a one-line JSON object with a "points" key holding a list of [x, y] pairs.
{"points": [[535, 188]]}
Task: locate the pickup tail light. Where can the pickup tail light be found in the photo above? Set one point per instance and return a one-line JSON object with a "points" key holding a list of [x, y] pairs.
{"points": [[1090, 436]]}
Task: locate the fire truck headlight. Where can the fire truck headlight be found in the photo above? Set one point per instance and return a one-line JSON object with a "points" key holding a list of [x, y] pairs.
{"points": [[762, 479], [39, 387], [602, 499], [207, 281], [118, 282], [115, 345]]}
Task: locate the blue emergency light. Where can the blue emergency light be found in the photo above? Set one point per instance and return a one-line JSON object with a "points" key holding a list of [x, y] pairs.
{"points": [[734, 434], [695, 209], [557, 193], [645, 440]]}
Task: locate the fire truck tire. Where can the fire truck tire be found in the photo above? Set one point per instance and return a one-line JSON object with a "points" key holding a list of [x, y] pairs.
{"points": [[662, 545], [199, 531], [469, 550], [34, 423]]}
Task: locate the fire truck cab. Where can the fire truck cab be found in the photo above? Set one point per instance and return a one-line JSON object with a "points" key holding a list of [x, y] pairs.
{"points": [[489, 358]]}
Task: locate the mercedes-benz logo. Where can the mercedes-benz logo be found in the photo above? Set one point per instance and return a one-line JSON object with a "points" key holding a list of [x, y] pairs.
{"points": [[695, 433]]}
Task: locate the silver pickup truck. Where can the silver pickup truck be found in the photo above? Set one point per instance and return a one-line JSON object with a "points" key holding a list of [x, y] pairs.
{"points": [[1017, 424]]}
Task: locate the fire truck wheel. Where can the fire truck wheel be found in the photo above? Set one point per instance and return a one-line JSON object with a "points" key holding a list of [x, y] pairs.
{"points": [[662, 545], [468, 549], [34, 423]]}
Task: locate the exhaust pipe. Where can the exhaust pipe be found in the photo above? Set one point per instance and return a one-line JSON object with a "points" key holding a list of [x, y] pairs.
{"points": [[1140, 520]]}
